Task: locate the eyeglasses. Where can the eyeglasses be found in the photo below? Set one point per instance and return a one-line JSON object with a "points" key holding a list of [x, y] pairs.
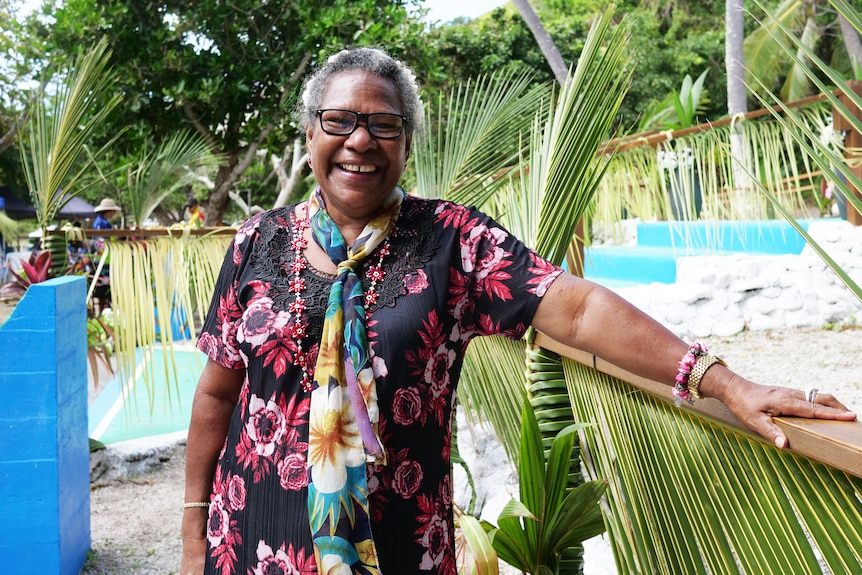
{"points": [[379, 124]]}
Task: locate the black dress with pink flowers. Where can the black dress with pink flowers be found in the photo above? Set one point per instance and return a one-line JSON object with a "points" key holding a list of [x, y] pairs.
{"points": [[450, 274]]}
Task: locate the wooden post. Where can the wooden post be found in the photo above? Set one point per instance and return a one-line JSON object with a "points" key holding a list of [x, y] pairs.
{"points": [[852, 143]]}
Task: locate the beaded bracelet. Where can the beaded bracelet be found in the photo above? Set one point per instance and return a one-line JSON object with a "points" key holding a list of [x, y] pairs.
{"points": [[195, 504], [692, 367]]}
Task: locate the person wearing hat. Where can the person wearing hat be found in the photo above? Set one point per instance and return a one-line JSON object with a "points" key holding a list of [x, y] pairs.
{"points": [[194, 213], [106, 210]]}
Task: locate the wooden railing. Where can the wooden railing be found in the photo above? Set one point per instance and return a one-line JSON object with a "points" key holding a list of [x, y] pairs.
{"points": [[837, 444]]}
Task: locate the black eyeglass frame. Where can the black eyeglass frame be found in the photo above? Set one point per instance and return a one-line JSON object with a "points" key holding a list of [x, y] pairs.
{"points": [[357, 117]]}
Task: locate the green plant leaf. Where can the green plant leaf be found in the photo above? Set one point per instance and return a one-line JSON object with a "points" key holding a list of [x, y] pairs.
{"points": [[482, 556]]}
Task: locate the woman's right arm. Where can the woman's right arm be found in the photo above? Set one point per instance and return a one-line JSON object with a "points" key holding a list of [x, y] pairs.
{"points": [[215, 398]]}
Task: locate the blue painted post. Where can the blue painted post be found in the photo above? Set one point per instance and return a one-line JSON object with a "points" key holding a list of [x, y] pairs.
{"points": [[44, 449]]}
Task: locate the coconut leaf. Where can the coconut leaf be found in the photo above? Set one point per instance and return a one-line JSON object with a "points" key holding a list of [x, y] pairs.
{"points": [[60, 127]]}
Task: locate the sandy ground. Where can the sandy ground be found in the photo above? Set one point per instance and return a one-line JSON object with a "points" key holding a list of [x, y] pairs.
{"points": [[135, 522]]}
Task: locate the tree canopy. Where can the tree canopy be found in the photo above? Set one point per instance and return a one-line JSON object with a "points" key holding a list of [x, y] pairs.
{"points": [[232, 71]]}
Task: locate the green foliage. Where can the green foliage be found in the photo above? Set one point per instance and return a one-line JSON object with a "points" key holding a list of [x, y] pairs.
{"points": [[231, 71], [60, 128], [666, 45], [678, 110], [500, 40], [823, 154], [160, 172], [548, 518]]}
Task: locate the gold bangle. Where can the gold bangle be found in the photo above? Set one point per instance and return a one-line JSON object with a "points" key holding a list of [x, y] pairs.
{"points": [[195, 504], [703, 363]]}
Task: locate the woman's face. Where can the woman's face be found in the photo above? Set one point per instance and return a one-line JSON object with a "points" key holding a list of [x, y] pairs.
{"points": [[356, 172]]}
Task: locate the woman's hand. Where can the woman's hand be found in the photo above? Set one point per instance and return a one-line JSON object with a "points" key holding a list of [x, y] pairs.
{"points": [[755, 405], [194, 556]]}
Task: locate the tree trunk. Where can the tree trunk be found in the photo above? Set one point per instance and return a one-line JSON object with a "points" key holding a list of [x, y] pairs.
{"points": [[737, 104], [287, 182], [543, 39], [852, 44], [228, 175]]}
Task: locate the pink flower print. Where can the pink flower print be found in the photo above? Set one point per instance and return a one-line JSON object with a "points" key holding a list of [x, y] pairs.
{"points": [[236, 493], [260, 321], [481, 249], [266, 425], [544, 274], [435, 540], [415, 283], [242, 234], [437, 369], [293, 472], [269, 563], [407, 479], [218, 526], [407, 406]]}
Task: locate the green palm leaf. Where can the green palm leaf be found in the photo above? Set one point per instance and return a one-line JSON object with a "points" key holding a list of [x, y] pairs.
{"points": [[153, 281], [823, 155], [762, 48], [476, 141], [687, 495], [162, 171], [59, 129]]}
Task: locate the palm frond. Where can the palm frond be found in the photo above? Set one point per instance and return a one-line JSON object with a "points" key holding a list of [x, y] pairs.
{"points": [[159, 288], [61, 126], [476, 141], [564, 171], [8, 227], [762, 48], [688, 495], [164, 170], [822, 154]]}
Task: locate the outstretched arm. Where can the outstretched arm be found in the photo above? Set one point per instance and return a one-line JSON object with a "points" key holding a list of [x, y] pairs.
{"points": [[589, 317]]}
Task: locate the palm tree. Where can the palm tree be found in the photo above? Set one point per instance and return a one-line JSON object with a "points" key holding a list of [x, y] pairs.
{"points": [[53, 145], [737, 95], [540, 191]]}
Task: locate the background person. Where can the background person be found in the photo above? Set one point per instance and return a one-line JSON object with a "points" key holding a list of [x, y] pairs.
{"points": [[193, 213], [320, 430], [105, 211]]}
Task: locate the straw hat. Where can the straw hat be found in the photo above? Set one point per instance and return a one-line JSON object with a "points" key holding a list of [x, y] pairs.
{"points": [[107, 205]]}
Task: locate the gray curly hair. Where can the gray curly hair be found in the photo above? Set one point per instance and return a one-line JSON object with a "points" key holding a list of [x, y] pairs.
{"points": [[371, 60]]}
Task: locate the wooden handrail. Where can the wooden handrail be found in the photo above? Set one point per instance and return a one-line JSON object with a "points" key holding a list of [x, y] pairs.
{"points": [[653, 138], [834, 443], [151, 232]]}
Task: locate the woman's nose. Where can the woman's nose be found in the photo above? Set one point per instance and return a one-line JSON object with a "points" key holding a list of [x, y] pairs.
{"points": [[361, 139]]}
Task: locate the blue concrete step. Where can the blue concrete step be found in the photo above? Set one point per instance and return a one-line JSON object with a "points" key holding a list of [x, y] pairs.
{"points": [[631, 264], [754, 237], [660, 244]]}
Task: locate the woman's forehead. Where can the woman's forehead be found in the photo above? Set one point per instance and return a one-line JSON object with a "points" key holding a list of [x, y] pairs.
{"points": [[353, 87]]}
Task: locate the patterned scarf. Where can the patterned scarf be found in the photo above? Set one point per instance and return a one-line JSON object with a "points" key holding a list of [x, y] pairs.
{"points": [[344, 412]]}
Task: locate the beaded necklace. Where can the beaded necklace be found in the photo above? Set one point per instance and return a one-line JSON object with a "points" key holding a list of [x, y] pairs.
{"points": [[299, 327]]}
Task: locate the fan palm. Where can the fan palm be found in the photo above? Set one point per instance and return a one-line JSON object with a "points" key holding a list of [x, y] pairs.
{"points": [[162, 171]]}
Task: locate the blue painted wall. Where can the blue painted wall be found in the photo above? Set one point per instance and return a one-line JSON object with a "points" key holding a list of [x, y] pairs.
{"points": [[44, 449]]}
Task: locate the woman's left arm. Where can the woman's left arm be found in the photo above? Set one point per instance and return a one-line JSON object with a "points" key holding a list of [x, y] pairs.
{"points": [[589, 317]]}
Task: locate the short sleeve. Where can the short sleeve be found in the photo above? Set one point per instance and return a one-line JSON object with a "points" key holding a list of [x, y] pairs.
{"points": [[501, 279], [218, 335]]}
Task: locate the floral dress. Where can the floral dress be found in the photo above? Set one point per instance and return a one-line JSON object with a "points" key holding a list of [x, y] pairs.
{"points": [[447, 274]]}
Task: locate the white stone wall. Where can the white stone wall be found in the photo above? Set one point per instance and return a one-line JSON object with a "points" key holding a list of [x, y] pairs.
{"points": [[723, 295]]}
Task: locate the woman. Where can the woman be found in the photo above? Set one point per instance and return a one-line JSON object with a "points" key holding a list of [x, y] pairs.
{"points": [[319, 438]]}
